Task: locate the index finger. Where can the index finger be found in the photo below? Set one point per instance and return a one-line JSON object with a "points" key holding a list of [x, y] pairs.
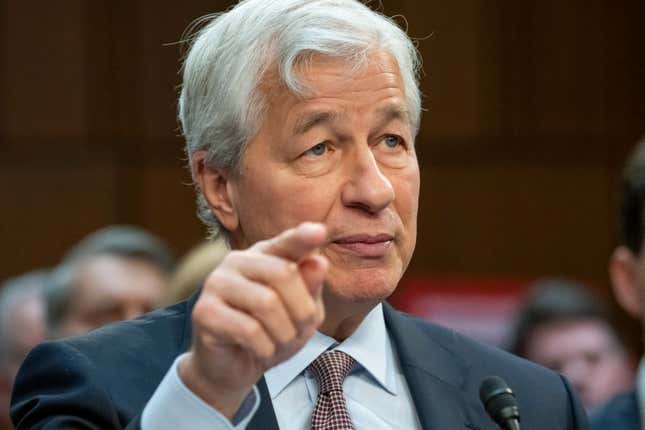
{"points": [[296, 243]]}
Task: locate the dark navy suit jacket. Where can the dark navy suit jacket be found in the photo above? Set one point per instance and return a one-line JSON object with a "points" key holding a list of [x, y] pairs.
{"points": [[620, 413], [104, 379]]}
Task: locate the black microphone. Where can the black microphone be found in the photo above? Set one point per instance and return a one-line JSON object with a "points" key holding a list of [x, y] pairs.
{"points": [[500, 403]]}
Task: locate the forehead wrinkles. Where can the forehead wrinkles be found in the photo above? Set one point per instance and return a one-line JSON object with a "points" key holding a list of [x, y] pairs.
{"points": [[318, 73], [327, 79], [335, 75]]}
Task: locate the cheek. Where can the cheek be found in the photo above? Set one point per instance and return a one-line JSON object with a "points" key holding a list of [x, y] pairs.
{"points": [[309, 200], [407, 183], [406, 189], [283, 201]]}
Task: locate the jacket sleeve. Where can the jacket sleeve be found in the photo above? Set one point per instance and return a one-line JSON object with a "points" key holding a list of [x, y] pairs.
{"points": [[577, 416], [55, 389]]}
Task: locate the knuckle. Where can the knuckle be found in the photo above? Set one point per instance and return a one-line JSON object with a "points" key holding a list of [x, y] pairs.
{"points": [[286, 271], [267, 301], [215, 279], [203, 310], [307, 312], [267, 351], [288, 335], [198, 316], [306, 334], [252, 330], [233, 257], [260, 244]]}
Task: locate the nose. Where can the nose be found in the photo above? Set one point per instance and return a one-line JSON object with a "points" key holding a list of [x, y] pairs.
{"points": [[367, 188]]}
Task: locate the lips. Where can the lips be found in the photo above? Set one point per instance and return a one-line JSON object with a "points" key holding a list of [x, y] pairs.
{"points": [[365, 245]]}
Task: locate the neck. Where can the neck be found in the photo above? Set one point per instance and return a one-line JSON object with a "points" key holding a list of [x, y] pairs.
{"points": [[342, 319]]}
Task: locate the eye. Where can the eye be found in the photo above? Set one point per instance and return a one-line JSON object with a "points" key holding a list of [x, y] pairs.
{"points": [[392, 141], [317, 150], [318, 159]]}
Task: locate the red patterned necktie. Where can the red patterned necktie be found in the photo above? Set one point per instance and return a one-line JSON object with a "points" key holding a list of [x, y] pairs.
{"points": [[330, 370]]}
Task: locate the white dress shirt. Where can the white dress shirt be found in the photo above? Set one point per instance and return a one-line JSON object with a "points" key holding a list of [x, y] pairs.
{"points": [[376, 392]]}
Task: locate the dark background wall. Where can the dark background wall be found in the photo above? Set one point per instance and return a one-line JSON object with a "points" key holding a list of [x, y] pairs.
{"points": [[532, 107]]}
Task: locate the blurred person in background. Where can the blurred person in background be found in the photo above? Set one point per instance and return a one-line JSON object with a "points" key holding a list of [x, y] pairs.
{"points": [[627, 273], [565, 327], [321, 211], [116, 273], [22, 326], [193, 269]]}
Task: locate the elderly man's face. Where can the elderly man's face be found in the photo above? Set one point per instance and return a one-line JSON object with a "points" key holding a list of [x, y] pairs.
{"points": [[344, 157]]}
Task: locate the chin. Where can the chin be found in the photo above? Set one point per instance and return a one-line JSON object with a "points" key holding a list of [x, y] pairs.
{"points": [[363, 287]]}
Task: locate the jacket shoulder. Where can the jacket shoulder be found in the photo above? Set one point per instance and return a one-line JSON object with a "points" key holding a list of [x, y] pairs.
{"points": [[462, 364], [102, 379], [466, 352], [620, 412]]}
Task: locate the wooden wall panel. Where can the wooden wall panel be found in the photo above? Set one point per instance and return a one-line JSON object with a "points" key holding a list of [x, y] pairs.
{"points": [[169, 205], [518, 220], [569, 82], [460, 67], [46, 210], [161, 33], [43, 69], [532, 107]]}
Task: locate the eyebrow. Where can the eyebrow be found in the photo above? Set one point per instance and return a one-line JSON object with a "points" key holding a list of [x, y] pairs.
{"points": [[313, 119], [310, 120], [393, 112]]}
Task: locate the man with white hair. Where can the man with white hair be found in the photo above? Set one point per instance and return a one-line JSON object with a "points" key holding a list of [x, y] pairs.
{"points": [[300, 118]]}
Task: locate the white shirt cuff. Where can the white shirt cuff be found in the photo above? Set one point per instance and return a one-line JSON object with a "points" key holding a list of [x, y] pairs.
{"points": [[174, 406]]}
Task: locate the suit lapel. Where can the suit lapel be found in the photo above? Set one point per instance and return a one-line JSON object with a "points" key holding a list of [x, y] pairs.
{"points": [[436, 376], [264, 418], [435, 388], [187, 338]]}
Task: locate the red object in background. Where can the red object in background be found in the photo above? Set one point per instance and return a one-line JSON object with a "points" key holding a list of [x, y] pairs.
{"points": [[482, 308]]}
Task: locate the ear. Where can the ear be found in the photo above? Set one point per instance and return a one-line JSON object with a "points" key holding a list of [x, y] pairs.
{"points": [[216, 188], [623, 266]]}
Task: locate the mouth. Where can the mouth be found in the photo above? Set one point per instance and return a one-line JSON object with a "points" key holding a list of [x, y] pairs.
{"points": [[365, 245]]}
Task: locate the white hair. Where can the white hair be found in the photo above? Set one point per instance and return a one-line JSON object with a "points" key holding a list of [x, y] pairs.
{"points": [[221, 104]]}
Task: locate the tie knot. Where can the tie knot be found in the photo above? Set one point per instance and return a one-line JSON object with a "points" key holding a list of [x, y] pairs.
{"points": [[330, 370]]}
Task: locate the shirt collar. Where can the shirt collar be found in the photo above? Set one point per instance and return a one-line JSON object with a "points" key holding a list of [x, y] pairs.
{"points": [[369, 345]]}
